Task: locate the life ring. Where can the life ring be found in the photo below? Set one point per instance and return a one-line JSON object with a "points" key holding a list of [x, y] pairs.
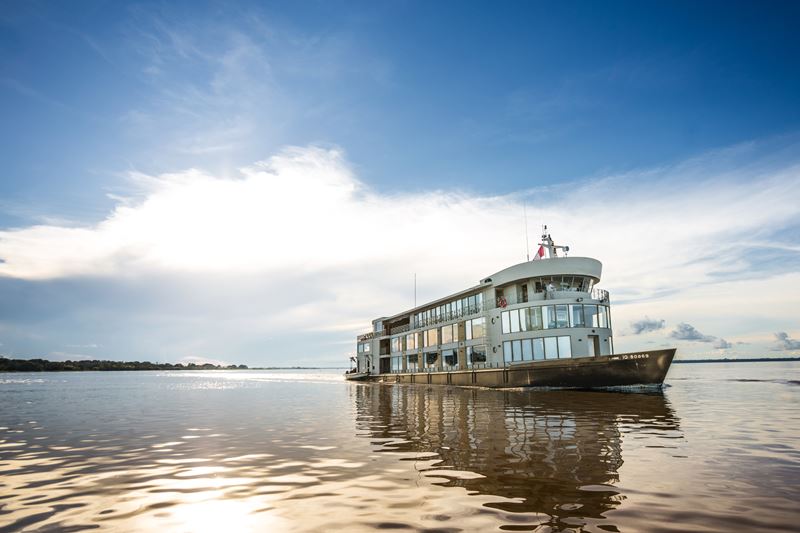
{"points": [[502, 302]]}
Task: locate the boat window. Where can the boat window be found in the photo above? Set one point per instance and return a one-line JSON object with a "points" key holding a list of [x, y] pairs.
{"points": [[514, 317], [411, 341], [449, 333], [449, 358], [538, 349], [562, 316], [602, 316], [564, 348], [476, 354], [431, 337], [507, 354], [517, 349], [576, 316], [535, 314], [527, 352], [412, 362], [478, 327], [430, 358], [506, 322], [548, 316], [395, 344], [396, 364], [550, 348], [590, 316], [611, 345]]}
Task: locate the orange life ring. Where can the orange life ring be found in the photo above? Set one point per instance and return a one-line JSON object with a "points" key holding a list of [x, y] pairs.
{"points": [[502, 302]]}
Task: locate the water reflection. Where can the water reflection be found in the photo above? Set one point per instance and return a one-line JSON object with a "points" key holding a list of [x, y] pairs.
{"points": [[556, 454]]}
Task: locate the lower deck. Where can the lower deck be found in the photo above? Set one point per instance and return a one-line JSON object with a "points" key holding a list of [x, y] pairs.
{"points": [[618, 370]]}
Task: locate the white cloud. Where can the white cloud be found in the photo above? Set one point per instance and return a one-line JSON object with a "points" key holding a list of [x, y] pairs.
{"points": [[303, 215], [785, 342], [646, 325]]}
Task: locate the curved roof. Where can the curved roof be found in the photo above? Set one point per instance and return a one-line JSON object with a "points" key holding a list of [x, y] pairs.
{"points": [[576, 266]]}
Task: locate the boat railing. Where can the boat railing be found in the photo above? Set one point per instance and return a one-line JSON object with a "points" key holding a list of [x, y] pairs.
{"points": [[600, 294], [453, 368], [399, 329], [446, 317]]}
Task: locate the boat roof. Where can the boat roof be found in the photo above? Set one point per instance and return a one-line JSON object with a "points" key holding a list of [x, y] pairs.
{"points": [[581, 266]]}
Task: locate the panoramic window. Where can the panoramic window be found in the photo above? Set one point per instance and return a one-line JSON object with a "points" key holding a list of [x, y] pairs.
{"points": [[538, 349], [564, 348], [550, 348], [562, 316], [411, 341], [411, 361], [449, 357], [476, 354]]}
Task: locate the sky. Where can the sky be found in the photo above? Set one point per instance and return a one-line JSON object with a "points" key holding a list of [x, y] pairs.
{"points": [[254, 182]]}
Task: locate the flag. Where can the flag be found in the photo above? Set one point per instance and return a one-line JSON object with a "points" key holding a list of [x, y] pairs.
{"points": [[539, 254]]}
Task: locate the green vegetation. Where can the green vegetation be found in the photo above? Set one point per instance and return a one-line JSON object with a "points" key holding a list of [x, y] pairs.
{"points": [[43, 365]]}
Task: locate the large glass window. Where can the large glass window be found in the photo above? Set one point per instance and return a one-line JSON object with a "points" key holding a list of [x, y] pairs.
{"points": [[603, 316], [411, 341], [576, 316], [396, 364], [550, 348], [476, 354], [562, 316], [478, 327], [447, 334], [590, 316], [514, 317], [548, 316], [450, 359], [412, 362], [527, 352], [396, 344], [431, 358], [517, 348], [508, 355], [431, 337], [535, 314], [538, 349], [564, 348], [506, 322]]}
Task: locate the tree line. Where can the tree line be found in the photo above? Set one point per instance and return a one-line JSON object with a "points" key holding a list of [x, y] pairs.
{"points": [[43, 365]]}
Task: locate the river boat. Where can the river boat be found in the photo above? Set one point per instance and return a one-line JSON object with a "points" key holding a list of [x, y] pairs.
{"points": [[541, 323]]}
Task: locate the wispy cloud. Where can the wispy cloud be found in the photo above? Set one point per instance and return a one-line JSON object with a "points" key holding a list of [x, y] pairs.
{"points": [[687, 332], [646, 325], [784, 342]]}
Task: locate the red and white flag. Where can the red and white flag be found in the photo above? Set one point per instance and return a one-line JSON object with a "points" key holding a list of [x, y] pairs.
{"points": [[539, 254]]}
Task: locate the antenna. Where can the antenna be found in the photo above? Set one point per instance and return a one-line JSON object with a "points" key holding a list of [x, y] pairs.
{"points": [[527, 245], [415, 290]]}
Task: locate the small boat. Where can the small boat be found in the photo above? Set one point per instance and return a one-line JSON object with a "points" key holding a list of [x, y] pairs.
{"points": [[541, 323], [356, 376]]}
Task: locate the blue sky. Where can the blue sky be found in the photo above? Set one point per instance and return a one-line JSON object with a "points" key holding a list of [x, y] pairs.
{"points": [[426, 110]]}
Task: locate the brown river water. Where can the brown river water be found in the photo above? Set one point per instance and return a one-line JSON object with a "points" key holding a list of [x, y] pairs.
{"points": [[718, 450]]}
